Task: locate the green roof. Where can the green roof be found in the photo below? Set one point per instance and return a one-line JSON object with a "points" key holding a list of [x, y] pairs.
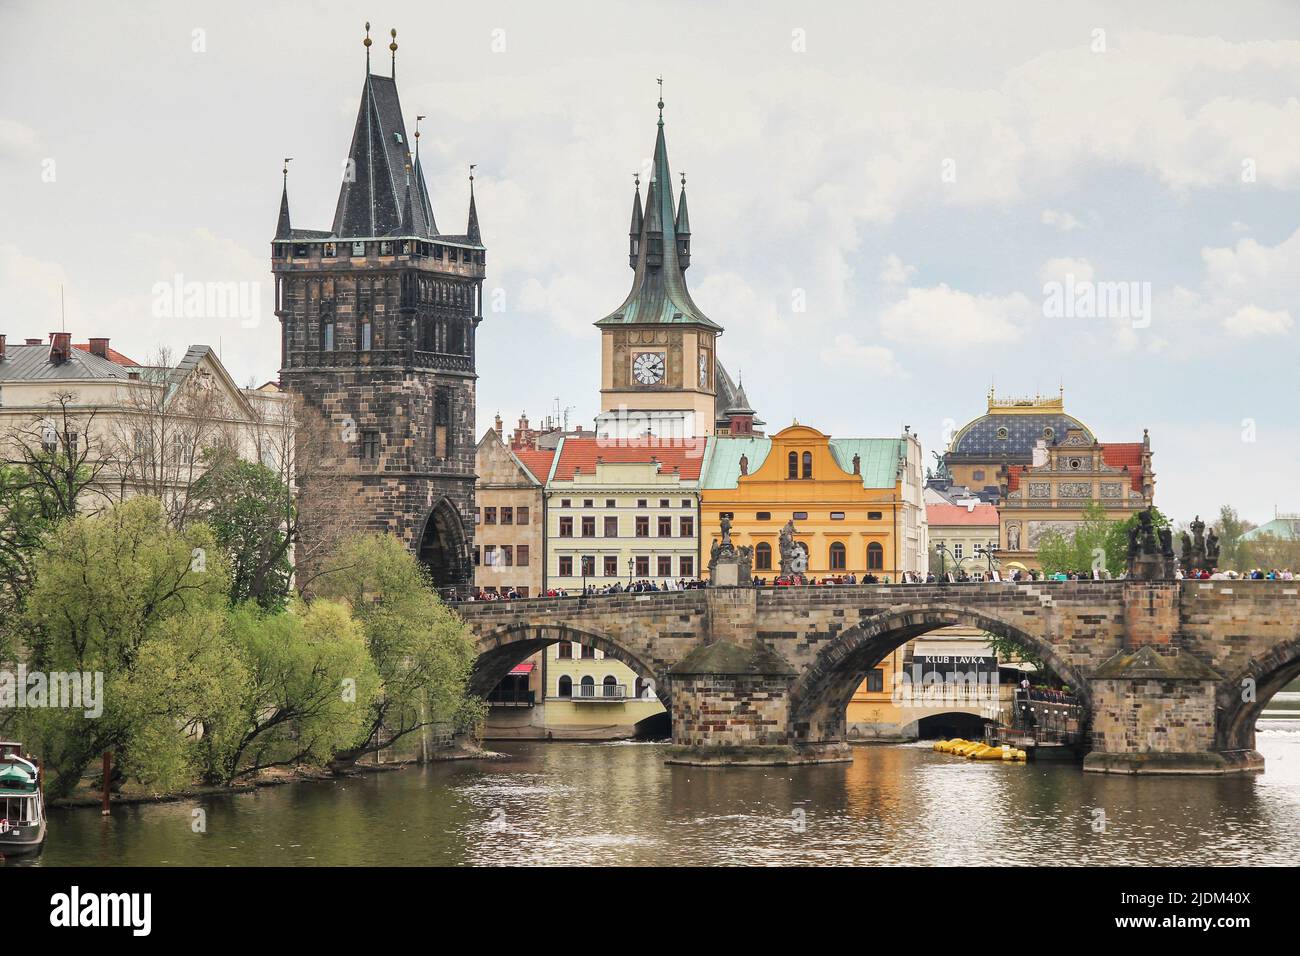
{"points": [[1285, 529], [879, 459]]}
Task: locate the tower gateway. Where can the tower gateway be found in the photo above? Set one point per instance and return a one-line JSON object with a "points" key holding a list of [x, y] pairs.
{"points": [[378, 318], [660, 374]]}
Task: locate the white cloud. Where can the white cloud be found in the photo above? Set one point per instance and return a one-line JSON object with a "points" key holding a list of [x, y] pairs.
{"points": [[1061, 220], [848, 351], [1059, 270], [1250, 321], [947, 318], [896, 272]]}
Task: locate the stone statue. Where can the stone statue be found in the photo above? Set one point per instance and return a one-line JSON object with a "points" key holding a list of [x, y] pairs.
{"points": [[1166, 542], [1134, 546], [1198, 536], [744, 464], [1185, 559], [1013, 537], [1150, 549], [726, 533], [1211, 550], [1146, 526], [787, 549]]}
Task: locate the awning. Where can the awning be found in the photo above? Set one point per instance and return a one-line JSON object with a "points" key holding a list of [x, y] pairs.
{"points": [[525, 668]]}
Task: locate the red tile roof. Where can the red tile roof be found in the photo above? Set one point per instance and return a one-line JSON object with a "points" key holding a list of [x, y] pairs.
{"points": [[686, 455], [536, 460], [981, 514], [112, 354]]}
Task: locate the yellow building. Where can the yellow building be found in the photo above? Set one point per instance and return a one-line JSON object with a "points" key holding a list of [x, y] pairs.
{"points": [[856, 503]]}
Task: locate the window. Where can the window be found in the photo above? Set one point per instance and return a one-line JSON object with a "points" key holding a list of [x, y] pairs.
{"points": [[521, 555], [956, 551], [490, 555], [358, 248], [564, 502], [490, 516], [588, 565], [800, 516], [977, 474], [665, 526], [1002, 433], [839, 556], [807, 464], [642, 565], [327, 333], [686, 566], [477, 558], [442, 424], [331, 250], [370, 445], [611, 566], [874, 515], [641, 503], [793, 466], [686, 526], [875, 556], [663, 503], [664, 566], [521, 515], [588, 526], [363, 336], [611, 526], [566, 527], [610, 503], [876, 681], [837, 515], [507, 515], [588, 503], [566, 685], [507, 556], [763, 557], [642, 526], [565, 651], [763, 516], [566, 565], [686, 502], [386, 248], [588, 653]]}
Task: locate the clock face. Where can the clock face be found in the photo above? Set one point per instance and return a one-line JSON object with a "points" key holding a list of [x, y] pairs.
{"points": [[704, 370], [648, 367]]}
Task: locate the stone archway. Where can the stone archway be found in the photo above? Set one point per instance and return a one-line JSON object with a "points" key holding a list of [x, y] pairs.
{"points": [[443, 547], [820, 696], [501, 650], [1240, 699]]}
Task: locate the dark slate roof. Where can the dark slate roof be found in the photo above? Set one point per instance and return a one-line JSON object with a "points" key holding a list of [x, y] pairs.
{"points": [[31, 363], [980, 438], [730, 397], [659, 294], [372, 203]]}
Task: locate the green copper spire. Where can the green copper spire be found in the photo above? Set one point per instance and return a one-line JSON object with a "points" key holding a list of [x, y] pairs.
{"points": [[659, 294], [634, 231]]}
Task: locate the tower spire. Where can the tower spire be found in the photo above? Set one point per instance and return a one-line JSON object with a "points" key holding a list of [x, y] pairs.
{"points": [[392, 47], [282, 227], [683, 229], [471, 231], [634, 230]]}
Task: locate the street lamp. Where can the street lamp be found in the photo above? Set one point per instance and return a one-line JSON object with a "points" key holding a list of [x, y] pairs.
{"points": [[987, 552], [629, 572]]}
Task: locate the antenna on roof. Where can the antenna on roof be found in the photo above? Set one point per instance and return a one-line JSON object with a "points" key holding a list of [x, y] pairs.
{"points": [[63, 323]]}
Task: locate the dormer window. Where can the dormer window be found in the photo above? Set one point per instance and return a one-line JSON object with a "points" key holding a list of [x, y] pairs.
{"points": [[1002, 433]]}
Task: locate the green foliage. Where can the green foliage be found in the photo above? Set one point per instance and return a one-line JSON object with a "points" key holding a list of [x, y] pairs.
{"points": [[1007, 649], [124, 595], [1230, 529], [1097, 538], [1117, 539], [422, 651], [307, 693], [250, 511]]}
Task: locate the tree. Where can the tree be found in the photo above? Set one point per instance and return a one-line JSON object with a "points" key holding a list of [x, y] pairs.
{"points": [[1117, 539], [1081, 551], [1231, 528], [308, 693], [1267, 552], [123, 594], [59, 458], [422, 651], [252, 513]]}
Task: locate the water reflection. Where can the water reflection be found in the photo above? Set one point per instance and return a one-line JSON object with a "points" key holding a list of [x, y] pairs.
{"points": [[618, 804]]}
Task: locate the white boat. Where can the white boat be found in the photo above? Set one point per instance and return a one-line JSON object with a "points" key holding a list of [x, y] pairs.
{"points": [[22, 802]]}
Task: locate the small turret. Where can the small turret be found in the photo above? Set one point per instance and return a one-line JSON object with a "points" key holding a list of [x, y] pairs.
{"points": [[683, 230], [634, 231]]}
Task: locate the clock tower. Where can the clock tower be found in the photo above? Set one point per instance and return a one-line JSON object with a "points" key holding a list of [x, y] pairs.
{"points": [[658, 349]]}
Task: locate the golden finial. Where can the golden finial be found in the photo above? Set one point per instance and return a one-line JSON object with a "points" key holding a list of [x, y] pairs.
{"points": [[417, 126], [366, 42], [393, 49]]}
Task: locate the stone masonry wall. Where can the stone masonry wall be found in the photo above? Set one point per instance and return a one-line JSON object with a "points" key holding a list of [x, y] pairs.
{"points": [[720, 710], [1153, 716]]}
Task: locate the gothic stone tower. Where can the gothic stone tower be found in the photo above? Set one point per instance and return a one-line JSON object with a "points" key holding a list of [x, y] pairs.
{"points": [[378, 318]]}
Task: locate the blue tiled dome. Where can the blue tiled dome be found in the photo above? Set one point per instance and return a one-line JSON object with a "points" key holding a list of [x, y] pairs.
{"points": [[1013, 436]]}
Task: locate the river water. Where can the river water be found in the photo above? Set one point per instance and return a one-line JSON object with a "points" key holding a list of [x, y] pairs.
{"points": [[617, 803]]}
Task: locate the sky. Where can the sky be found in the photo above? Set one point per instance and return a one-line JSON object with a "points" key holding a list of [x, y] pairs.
{"points": [[893, 207]]}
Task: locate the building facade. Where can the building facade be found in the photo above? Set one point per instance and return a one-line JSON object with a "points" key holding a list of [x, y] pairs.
{"points": [[509, 539], [379, 315], [856, 503], [1043, 468], [622, 512], [962, 537]]}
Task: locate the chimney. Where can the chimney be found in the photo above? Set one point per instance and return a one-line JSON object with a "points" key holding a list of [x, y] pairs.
{"points": [[31, 342], [2, 347], [99, 347], [60, 347]]}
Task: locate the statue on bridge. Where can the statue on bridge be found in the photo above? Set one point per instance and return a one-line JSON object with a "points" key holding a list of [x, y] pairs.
{"points": [[1150, 549], [1200, 551], [730, 566]]}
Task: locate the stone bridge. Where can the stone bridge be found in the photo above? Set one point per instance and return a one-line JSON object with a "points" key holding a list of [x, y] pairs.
{"points": [[1175, 674]]}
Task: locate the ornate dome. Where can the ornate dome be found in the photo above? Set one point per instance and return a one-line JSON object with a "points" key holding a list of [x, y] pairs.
{"points": [[1011, 427]]}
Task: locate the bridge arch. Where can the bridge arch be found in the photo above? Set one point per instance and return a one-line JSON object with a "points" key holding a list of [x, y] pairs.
{"points": [[501, 650], [821, 694], [1236, 715]]}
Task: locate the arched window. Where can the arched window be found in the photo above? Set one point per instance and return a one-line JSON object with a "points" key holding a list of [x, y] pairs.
{"points": [[566, 685], [794, 465], [875, 556], [327, 333], [839, 556], [609, 686], [763, 557], [807, 464], [587, 687]]}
